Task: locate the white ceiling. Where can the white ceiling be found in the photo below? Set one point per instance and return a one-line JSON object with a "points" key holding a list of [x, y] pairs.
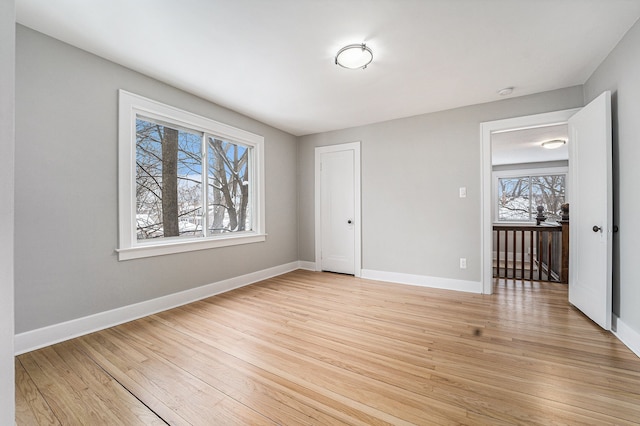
{"points": [[273, 59], [525, 145]]}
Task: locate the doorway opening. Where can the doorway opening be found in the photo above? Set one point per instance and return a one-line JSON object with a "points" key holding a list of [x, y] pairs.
{"points": [[529, 190], [512, 157]]}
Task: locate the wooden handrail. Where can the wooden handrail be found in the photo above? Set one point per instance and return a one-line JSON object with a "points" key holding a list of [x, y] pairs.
{"points": [[527, 227]]}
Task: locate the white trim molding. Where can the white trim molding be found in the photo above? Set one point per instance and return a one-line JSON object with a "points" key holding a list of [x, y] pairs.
{"points": [[423, 281], [171, 247], [46, 336], [308, 266], [626, 334]]}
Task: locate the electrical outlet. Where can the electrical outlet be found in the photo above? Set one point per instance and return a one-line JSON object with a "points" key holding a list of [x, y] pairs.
{"points": [[463, 263]]}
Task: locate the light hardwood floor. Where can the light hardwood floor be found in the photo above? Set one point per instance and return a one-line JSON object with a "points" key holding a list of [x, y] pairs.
{"points": [[319, 348]]}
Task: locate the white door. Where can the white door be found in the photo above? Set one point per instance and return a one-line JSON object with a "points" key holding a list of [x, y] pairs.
{"points": [[337, 208], [591, 219], [337, 211]]}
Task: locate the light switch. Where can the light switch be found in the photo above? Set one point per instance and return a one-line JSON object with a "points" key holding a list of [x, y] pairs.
{"points": [[463, 192]]}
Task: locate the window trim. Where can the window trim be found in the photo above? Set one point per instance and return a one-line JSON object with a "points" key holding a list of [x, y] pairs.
{"points": [[129, 106], [543, 171]]}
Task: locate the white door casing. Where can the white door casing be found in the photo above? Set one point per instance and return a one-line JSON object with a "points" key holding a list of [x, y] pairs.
{"points": [[591, 210], [337, 199]]}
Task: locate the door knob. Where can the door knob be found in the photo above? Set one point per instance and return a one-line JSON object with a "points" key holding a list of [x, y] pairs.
{"points": [[349, 221], [596, 228]]}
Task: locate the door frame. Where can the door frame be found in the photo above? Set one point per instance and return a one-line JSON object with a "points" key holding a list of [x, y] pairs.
{"points": [[355, 147], [486, 189]]}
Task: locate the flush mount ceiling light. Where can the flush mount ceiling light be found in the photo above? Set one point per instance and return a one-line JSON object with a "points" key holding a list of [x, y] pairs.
{"points": [[506, 91], [553, 144], [354, 56]]}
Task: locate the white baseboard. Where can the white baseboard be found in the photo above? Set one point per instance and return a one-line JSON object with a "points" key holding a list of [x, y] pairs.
{"points": [[423, 281], [309, 266], [626, 335], [45, 336]]}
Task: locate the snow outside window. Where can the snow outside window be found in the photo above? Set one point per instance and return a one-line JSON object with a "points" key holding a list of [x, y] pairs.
{"points": [[519, 195]]}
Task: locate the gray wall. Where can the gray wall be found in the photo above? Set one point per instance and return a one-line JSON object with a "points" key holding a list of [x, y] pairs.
{"points": [[7, 74], [620, 73], [412, 219], [66, 191]]}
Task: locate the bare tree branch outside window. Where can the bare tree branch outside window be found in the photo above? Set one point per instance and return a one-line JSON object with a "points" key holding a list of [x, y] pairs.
{"points": [[169, 178], [518, 197], [228, 186]]}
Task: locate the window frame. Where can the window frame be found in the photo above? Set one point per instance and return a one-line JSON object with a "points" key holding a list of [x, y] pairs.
{"points": [[515, 173], [130, 107]]}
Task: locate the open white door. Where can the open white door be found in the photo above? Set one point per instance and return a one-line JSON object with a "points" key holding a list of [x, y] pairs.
{"points": [[591, 225], [337, 202]]}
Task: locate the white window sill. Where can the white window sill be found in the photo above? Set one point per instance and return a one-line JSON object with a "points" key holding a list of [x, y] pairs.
{"points": [[171, 247]]}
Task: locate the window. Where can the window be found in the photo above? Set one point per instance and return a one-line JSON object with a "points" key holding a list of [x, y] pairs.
{"points": [[186, 182], [519, 193]]}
